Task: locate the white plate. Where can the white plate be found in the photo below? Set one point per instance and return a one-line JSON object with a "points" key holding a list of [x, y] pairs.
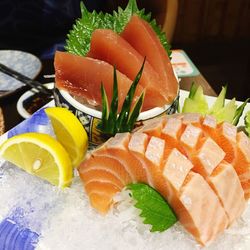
{"points": [[64, 219], [23, 62]]}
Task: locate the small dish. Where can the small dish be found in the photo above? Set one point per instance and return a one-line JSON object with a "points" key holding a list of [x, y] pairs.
{"points": [[25, 100], [90, 117], [24, 63]]}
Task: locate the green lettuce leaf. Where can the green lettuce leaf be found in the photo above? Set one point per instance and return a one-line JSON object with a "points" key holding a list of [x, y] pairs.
{"points": [[154, 209], [79, 37]]}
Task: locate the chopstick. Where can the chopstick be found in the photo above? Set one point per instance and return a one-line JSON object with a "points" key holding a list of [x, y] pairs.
{"points": [[26, 80]]}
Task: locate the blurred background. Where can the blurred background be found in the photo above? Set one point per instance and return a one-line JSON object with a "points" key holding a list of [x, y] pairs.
{"points": [[214, 33]]}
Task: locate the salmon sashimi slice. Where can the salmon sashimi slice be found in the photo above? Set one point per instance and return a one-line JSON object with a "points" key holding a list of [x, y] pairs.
{"points": [[118, 148], [176, 168], [225, 136], [242, 162], [209, 125], [153, 127], [82, 77], [108, 46], [149, 45], [190, 137], [176, 156], [231, 196], [208, 216], [152, 158], [222, 138], [207, 157]]}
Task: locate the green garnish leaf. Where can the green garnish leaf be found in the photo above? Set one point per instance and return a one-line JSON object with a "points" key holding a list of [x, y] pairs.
{"points": [[114, 105], [193, 90], [126, 107], [197, 103], [239, 112], [112, 122], [135, 112], [154, 209], [247, 123], [105, 106], [79, 37]]}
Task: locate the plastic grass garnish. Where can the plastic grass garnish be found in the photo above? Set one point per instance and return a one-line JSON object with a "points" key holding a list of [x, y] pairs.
{"points": [[154, 209], [112, 122]]}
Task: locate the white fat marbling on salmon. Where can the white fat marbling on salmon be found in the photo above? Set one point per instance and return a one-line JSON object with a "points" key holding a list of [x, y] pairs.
{"points": [[191, 118], [229, 131], [190, 136], [210, 121], [138, 143], [210, 155], [155, 150], [172, 127], [176, 168]]}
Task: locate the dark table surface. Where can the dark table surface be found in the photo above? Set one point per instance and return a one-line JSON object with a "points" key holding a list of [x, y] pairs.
{"points": [[12, 117]]}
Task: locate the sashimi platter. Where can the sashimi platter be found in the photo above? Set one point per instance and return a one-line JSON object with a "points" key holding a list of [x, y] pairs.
{"points": [[122, 158]]}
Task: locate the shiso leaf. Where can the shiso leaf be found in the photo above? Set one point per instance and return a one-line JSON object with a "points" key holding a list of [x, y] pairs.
{"points": [[79, 37], [154, 209]]}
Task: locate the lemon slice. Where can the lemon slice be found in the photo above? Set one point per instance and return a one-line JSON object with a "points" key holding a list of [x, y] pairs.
{"points": [[69, 132], [40, 155]]}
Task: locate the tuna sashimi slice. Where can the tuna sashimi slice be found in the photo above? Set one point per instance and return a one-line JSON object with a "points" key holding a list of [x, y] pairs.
{"points": [[108, 46], [82, 77], [142, 37]]}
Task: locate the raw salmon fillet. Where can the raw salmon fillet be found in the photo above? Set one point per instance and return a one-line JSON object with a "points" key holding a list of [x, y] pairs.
{"points": [[82, 77], [108, 46], [143, 38], [176, 156]]}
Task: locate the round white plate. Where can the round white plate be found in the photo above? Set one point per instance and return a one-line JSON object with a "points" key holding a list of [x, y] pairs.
{"points": [[23, 62]]}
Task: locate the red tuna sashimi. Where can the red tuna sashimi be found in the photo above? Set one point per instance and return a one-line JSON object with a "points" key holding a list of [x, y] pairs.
{"points": [[108, 46], [82, 77], [142, 37]]}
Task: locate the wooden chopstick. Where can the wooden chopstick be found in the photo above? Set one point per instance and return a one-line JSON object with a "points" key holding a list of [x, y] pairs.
{"points": [[26, 80]]}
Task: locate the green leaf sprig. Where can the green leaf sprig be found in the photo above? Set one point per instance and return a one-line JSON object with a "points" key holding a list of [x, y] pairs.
{"points": [[247, 123], [154, 209], [79, 37], [112, 122]]}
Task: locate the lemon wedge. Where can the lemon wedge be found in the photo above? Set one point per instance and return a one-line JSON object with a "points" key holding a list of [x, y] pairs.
{"points": [[69, 132], [40, 155]]}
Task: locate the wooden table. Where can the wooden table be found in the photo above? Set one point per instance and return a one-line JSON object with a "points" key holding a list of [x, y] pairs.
{"points": [[12, 117]]}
